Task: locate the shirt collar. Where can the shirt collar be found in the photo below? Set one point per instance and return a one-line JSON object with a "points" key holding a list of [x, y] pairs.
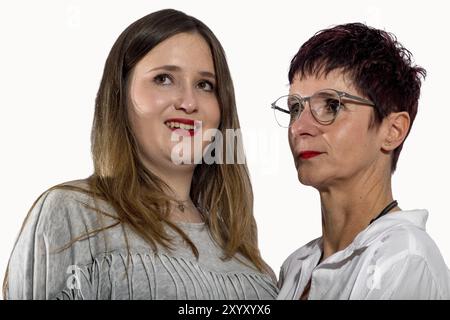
{"points": [[417, 218]]}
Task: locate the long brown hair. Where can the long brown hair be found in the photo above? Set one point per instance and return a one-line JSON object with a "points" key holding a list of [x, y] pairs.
{"points": [[137, 195]]}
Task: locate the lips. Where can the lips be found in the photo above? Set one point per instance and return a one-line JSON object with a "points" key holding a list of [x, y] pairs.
{"points": [[183, 127], [309, 154]]}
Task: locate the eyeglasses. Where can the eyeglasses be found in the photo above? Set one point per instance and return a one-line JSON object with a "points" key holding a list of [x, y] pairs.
{"points": [[324, 105]]}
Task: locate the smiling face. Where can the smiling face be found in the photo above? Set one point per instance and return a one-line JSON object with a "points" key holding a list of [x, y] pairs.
{"points": [[172, 89], [329, 154]]}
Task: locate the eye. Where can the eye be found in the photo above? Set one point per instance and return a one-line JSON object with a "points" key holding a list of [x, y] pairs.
{"points": [[163, 79], [206, 85], [295, 107], [332, 105]]}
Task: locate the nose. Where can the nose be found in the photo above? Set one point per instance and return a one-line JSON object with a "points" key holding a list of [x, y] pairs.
{"points": [[305, 124], [187, 101]]}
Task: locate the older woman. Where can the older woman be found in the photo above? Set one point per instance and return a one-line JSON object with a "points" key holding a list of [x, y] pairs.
{"points": [[144, 226], [353, 98]]}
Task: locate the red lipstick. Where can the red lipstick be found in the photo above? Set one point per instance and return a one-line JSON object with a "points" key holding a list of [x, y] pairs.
{"points": [[179, 125], [182, 120], [309, 154]]}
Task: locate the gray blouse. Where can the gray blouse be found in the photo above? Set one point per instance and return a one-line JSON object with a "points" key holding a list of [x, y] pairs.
{"points": [[100, 266]]}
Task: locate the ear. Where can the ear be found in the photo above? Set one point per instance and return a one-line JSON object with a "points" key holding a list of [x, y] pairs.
{"points": [[397, 127]]}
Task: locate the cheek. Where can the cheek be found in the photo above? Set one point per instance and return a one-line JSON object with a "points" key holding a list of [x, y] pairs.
{"points": [[145, 113], [216, 118], [211, 121], [351, 146], [212, 114], [147, 101], [291, 145]]}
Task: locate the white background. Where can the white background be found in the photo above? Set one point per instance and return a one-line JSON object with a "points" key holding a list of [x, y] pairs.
{"points": [[51, 61]]}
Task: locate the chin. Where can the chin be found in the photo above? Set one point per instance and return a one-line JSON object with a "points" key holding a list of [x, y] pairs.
{"points": [[307, 181], [182, 167], [310, 178]]}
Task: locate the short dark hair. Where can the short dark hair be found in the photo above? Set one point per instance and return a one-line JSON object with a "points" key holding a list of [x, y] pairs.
{"points": [[377, 64]]}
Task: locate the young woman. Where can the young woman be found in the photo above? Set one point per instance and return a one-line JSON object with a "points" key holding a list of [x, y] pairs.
{"points": [[353, 97], [143, 226]]}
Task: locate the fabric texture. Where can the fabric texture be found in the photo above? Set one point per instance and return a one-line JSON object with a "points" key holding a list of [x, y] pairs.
{"points": [[393, 258], [101, 267]]}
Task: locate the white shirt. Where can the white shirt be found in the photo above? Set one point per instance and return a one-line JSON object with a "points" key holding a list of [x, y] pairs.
{"points": [[393, 258]]}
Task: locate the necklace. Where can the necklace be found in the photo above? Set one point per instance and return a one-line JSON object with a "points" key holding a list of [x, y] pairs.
{"points": [[388, 208], [181, 204], [186, 214]]}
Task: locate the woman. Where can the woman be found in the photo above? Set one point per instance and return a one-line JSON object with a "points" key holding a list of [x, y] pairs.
{"points": [[142, 226], [353, 98]]}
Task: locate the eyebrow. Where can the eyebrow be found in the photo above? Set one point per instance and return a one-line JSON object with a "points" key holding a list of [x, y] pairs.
{"points": [[174, 68]]}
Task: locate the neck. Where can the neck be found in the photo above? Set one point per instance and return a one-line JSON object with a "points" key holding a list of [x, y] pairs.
{"points": [[179, 182], [349, 206], [177, 177]]}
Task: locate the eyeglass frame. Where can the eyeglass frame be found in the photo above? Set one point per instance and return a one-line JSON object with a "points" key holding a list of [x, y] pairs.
{"points": [[340, 94]]}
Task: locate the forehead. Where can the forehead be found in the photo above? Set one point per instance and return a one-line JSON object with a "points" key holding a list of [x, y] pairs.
{"points": [[185, 50], [309, 84]]}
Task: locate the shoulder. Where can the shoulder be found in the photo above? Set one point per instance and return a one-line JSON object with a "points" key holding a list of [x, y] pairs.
{"points": [[62, 213], [292, 267], [292, 261], [404, 250], [66, 194], [407, 237], [52, 238]]}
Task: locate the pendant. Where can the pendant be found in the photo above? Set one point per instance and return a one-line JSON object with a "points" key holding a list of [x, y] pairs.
{"points": [[181, 207]]}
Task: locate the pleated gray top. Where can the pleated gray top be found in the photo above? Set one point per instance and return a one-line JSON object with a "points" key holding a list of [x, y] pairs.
{"points": [[100, 266]]}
